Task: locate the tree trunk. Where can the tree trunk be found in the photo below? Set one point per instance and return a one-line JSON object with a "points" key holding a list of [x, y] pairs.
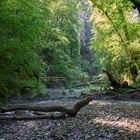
{"points": [[112, 80], [64, 111]]}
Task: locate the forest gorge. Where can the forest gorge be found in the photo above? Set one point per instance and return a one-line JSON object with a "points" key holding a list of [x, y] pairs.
{"points": [[69, 69], [49, 38]]}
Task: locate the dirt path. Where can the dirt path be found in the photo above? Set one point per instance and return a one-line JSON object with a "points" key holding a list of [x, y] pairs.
{"points": [[100, 120]]}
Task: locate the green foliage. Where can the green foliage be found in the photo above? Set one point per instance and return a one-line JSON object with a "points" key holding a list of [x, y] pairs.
{"points": [[22, 27], [116, 38], [37, 38], [63, 53]]}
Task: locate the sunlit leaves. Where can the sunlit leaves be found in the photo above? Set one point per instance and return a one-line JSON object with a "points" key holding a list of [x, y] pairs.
{"points": [[116, 38], [22, 25]]}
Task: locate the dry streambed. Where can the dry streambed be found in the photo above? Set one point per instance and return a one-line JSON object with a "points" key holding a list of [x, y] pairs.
{"points": [[100, 120]]}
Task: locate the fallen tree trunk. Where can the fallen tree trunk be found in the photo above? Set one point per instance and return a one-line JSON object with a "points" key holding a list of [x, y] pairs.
{"points": [[115, 84], [65, 111], [112, 80], [84, 84], [134, 90], [21, 118]]}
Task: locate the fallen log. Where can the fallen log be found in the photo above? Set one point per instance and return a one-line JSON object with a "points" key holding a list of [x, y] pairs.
{"points": [[84, 84], [21, 118], [65, 111], [135, 90], [115, 84], [112, 80]]}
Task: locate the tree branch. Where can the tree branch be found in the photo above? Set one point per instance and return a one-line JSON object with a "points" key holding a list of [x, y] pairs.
{"points": [[65, 111]]}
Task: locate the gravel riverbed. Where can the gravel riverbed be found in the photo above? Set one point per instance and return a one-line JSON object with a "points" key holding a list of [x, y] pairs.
{"points": [[100, 120]]}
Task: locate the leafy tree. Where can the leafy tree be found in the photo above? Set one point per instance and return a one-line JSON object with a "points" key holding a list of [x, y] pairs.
{"points": [[63, 52], [37, 38], [116, 38], [21, 28]]}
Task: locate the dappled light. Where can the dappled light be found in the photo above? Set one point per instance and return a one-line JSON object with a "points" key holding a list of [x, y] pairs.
{"points": [[123, 123], [94, 121], [101, 103], [70, 69]]}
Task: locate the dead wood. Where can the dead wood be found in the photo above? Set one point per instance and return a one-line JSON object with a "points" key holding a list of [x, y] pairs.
{"points": [[39, 117], [67, 111], [112, 80], [134, 90], [115, 84], [84, 84]]}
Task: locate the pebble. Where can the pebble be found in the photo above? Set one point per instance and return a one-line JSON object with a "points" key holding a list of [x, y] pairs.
{"points": [[82, 127]]}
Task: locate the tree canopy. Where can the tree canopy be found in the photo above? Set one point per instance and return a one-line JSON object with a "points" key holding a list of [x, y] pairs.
{"points": [[41, 38], [116, 38], [37, 38]]}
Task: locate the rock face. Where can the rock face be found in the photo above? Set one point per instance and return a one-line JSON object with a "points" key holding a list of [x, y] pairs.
{"points": [[87, 25], [85, 36]]}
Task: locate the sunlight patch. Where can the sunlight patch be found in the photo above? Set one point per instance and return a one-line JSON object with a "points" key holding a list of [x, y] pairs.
{"points": [[124, 123], [100, 103]]}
